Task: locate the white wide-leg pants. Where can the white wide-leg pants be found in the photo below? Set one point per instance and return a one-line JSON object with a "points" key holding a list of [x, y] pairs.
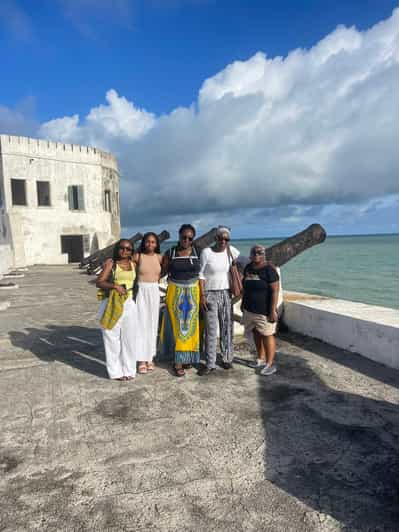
{"points": [[147, 321], [119, 343]]}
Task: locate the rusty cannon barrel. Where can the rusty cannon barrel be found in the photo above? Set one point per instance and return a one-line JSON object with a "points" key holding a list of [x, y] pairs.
{"points": [[282, 252], [279, 254], [206, 239], [100, 255]]}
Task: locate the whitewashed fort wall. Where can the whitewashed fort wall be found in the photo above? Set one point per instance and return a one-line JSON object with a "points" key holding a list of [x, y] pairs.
{"points": [[31, 233]]}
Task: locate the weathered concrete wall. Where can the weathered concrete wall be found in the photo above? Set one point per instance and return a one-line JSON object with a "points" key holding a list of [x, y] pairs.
{"points": [[6, 252], [36, 230], [365, 329]]}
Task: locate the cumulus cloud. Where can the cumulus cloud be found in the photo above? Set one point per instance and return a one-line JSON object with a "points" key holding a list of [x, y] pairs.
{"points": [[119, 121], [316, 127]]}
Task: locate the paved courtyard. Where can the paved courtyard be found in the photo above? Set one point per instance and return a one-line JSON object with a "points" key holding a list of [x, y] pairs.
{"points": [[313, 448]]}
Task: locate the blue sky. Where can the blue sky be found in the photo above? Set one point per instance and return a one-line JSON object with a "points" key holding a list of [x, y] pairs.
{"points": [[167, 64]]}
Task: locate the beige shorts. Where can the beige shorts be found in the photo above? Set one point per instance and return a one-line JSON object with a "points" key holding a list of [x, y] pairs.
{"points": [[257, 322]]}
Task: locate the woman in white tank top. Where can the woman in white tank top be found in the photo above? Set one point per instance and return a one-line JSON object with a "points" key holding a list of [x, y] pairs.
{"points": [[148, 269]]}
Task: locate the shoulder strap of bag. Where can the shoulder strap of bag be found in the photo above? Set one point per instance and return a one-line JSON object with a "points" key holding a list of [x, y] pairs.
{"points": [[113, 271], [230, 255]]}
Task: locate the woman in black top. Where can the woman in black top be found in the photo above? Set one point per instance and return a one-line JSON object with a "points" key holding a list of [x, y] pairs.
{"points": [[180, 332], [259, 306]]}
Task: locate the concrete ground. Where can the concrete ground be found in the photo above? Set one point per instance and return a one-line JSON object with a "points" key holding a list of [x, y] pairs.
{"points": [[312, 448]]}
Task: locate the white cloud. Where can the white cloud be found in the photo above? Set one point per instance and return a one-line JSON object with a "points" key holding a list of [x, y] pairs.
{"points": [[316, 127], [105, 126], [64, 129]]}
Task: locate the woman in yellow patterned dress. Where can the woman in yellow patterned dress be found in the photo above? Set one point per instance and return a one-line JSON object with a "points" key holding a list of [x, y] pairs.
{"points": [[180, 330]]}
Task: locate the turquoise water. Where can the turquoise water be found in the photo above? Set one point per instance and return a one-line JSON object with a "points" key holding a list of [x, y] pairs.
{"points": [[358, 268]]}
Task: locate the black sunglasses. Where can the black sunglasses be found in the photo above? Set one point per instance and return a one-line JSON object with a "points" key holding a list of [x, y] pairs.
{"points": [[225, 238], [126, 248], [190, 238], [258, 252]]}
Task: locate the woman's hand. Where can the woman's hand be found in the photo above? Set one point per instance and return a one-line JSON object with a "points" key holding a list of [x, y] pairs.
{"points": [[273, 316], [120, 289]]}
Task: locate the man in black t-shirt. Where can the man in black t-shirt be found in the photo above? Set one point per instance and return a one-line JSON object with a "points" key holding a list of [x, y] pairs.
{"points": [[259, 305]]}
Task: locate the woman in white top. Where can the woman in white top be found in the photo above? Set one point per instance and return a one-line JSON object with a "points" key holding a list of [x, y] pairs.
{"points": [[216, 299]]}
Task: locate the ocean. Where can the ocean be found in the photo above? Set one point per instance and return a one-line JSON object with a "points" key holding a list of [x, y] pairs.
{"points": [[357, 268]]}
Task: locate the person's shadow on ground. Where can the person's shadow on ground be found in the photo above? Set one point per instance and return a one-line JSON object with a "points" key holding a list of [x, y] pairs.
{"points": [[337, 452], [79, 347]]}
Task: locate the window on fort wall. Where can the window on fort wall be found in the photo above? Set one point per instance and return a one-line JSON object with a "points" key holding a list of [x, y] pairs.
{"points": [[43, 193], [107, 200], [76, 198], [18, 191]]}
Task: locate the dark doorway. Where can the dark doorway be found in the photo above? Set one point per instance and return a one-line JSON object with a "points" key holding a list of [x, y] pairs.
{"points": [[73, 245]]}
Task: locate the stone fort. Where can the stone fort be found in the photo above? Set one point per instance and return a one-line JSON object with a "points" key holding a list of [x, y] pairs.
{"points": [[58, 202]]}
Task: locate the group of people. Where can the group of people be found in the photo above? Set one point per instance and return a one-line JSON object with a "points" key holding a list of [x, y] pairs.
{"points": [[198, 305]]}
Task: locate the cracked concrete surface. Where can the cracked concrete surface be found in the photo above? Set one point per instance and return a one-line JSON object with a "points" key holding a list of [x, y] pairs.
{"points": [[312, 448]]}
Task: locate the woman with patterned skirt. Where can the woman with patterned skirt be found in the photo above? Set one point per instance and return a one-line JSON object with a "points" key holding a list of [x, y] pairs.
{"points": [[180, 330]]}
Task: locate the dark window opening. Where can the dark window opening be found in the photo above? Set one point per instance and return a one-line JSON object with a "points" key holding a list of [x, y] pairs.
{"points": [[18, 191], [76, 198], [107, 200], [43, 193]]}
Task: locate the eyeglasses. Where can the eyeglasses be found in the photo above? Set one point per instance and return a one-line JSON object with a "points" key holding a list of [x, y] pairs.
{"points": [[125, 248], [189, 238], [225, 238], [258, 252]]}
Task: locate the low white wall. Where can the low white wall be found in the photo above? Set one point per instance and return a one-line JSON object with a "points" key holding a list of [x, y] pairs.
{"points": [[365, 329]]}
